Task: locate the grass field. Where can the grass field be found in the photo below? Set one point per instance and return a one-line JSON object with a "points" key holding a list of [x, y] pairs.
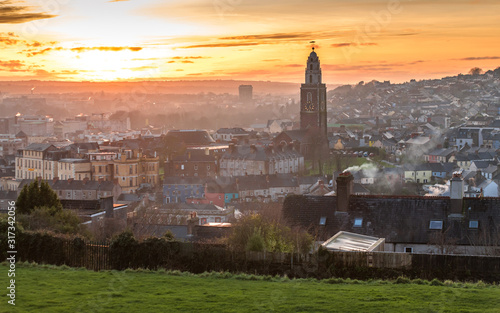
{"points": [[61, 289]]}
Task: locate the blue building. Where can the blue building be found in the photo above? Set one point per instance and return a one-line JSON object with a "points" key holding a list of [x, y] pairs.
{"points": [[178, 189]]}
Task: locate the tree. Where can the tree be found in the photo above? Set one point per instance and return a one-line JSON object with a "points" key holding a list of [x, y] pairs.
{"points": [[259, 233], [37, 194], [54, 219], [476, 71]]}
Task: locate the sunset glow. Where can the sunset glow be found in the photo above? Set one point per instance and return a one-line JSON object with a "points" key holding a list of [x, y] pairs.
{"points": [[246, 40]]}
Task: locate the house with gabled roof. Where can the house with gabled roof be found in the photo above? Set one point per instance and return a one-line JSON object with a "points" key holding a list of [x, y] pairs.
{"points": [[415, 224]]}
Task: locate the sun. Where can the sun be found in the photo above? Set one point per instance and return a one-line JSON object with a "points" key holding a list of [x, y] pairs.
{"points": [[99, 65]]}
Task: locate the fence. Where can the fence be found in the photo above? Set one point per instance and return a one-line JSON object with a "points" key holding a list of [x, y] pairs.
{"points": [[158, 253]]}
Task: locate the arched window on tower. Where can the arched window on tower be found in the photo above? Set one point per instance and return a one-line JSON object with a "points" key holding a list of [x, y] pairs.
{"points": [[311, 67], [310, 79], [309, 96]]}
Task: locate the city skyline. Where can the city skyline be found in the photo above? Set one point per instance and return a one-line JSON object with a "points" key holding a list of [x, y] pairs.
{"points": [[237, 39]]}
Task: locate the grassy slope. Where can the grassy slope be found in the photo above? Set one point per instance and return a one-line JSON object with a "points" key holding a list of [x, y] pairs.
{"points": [[67, 290]]}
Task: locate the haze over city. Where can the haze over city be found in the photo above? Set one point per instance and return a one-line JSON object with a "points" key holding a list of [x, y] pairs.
{"points": [[250, 156]]}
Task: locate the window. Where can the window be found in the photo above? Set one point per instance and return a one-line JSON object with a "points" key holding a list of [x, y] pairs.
{"points": [[408, 250], [203, 221], [436, 224], [322, 220], [217, 220], [474, 224], [358, 222], [182, 166], [196, 167]]}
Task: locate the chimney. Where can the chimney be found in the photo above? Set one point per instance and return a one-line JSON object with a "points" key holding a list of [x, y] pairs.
{"points": [[70, 180], [345, 186], [253, 148], [106, 204], [55, 179], [192, 221], [232, 148], [85, 180], [456, 193]]}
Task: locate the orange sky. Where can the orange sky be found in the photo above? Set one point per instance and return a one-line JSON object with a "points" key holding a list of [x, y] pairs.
{"points": [[356, 40]]}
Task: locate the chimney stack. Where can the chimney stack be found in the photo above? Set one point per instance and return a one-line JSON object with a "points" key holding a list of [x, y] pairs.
{"points": [[345, 186], [456, 193], [192, 221], [232, 148]]}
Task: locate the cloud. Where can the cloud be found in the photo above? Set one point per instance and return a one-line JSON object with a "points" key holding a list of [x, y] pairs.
{"points": [[32, 53], [382, 66], [291, 65], [344, 44], [265, 39], [12, 14], [9, 39], [83, 49], [34, 44], [274, 36], [11, 64], [477, 58], [347, 44], [221, 45], [142, 68], [190, 57]]}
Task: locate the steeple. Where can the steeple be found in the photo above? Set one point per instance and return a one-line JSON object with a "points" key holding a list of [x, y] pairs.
{"points": [[313, 69], [313, 110]]}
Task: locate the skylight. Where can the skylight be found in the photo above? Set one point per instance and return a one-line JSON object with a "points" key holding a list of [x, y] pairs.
{"points": [[322, 220], [436, 224], [474, 224], [358, 222]]}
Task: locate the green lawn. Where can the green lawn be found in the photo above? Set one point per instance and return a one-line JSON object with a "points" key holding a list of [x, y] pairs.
{"points": [[51, 289]]}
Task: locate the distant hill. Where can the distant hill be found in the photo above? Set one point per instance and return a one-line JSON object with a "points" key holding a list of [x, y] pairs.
{"points": [[167, 87]]}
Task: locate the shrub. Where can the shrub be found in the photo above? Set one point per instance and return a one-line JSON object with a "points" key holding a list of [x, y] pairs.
{"points": [[256, 242], [123, 250], [436, 282], [51, 218], [402, 280]]}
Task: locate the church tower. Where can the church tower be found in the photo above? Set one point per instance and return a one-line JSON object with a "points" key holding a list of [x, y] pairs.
{"points": [[313, 97]]}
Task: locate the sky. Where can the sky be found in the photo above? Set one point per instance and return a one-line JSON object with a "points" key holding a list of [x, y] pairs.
{"points": [[356, 40]]}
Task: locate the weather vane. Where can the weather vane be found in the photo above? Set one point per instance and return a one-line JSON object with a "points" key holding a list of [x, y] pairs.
{"points": [[313, 42]]}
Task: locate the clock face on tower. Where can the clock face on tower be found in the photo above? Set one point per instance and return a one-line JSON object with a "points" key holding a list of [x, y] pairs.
{"points": [[309, 106]]}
